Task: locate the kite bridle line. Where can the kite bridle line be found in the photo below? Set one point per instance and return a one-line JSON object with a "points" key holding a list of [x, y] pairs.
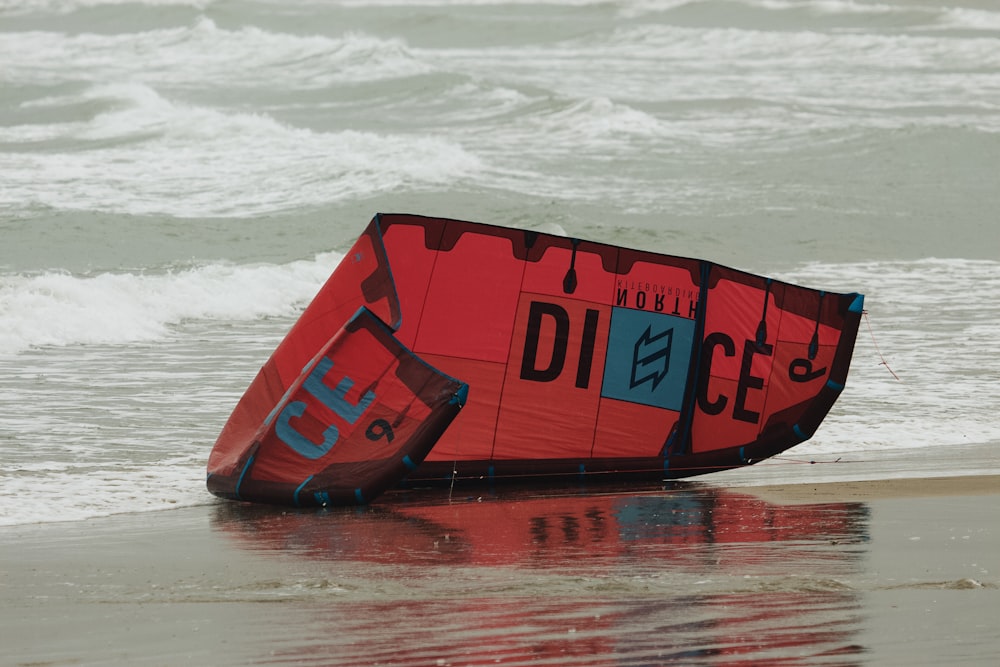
{"points": [[877, 350]]}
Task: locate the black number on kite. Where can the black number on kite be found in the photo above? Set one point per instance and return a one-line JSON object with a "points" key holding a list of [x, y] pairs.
{"points": [[378, 429]]}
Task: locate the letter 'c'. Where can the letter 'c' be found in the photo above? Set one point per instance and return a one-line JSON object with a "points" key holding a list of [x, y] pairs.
{"points": [[298, 442], [707, 351]]}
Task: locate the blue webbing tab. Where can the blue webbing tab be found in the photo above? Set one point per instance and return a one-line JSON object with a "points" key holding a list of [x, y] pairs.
{"points": [[246, 469], [460, 396], [836, 386], [295, 496], [799, 434], [408, 462], [858, 305], [358, 496]]}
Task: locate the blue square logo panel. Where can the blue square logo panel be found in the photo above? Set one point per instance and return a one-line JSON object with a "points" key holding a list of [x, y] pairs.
{"points": [[648, 357]]}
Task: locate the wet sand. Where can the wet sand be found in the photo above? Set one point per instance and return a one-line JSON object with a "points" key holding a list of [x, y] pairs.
{"points": [[879, 489], [900, 571]]}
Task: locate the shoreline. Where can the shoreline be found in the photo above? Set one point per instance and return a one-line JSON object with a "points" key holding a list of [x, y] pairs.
{"points": [[813, 490]]}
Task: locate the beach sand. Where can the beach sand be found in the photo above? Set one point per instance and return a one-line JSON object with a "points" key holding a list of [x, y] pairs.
{"points": [[880, 572]]}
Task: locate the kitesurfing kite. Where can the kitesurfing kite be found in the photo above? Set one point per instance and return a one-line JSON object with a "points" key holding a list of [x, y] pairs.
{"points": [[440, 350]]}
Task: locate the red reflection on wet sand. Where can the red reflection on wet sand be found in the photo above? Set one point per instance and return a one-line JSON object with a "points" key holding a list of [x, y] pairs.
{"points": [[601, 578]]}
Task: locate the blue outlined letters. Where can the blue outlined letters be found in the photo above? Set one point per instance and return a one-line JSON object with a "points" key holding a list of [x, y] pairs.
{"points": [[334, 398]]}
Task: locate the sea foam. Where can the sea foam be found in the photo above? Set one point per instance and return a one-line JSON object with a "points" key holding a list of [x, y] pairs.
{"points": [[58, 309]]}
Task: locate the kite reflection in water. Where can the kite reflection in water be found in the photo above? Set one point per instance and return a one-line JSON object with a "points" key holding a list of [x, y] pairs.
{"points": [[647, 577]]}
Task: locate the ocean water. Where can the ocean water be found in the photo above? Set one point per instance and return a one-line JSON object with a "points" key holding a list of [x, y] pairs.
{"points": [[178, 177]]}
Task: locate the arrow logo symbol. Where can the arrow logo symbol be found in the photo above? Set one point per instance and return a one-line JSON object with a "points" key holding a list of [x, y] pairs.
{"points": [[651, 360]]}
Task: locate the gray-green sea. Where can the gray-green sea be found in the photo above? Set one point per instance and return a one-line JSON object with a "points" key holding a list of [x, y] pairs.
{"points": [[178, 178]]}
